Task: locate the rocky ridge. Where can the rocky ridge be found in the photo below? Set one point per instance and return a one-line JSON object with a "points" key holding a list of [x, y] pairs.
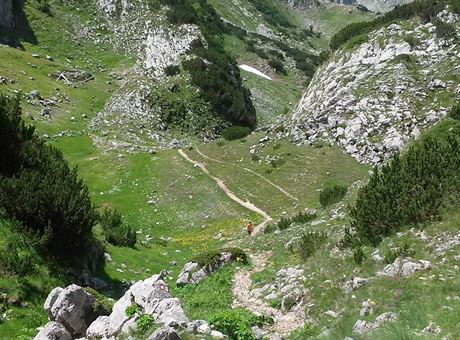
{"points": [[372, 99]]}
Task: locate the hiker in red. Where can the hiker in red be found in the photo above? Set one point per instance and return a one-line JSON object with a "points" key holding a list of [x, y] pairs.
{"points": [[250, 228]]}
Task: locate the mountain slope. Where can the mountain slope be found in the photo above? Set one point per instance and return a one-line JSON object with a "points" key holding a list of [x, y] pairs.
{"points": [[382, 88]]}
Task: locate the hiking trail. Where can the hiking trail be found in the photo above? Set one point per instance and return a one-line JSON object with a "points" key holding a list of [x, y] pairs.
{"points": [[250, 171], [283, 322], [221, 184]]}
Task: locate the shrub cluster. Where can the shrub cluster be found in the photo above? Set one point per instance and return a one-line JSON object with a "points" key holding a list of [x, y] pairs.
{"points": [[212, 257], [212, 69], [172, 70], [332, 195], [117, 232], [272, 13], [426, 9], [454, 112], [237, 323], [309, 243], [277, 65], [38, 188], [405, 250], [285, 222], [17, 254], [413, 188], [236, 132]]}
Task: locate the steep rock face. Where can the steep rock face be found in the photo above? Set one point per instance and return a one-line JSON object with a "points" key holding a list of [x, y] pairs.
{"points": [[7, 14], [381, 5], [372, 99]]}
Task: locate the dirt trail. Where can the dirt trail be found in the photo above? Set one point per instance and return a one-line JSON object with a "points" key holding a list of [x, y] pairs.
{"points": [[250, 171], [230, 194], [283, 323]]}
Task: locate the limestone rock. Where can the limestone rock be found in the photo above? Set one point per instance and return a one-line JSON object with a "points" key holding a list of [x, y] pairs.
{"points": [[53, 331], [354, 284], [50, 300], [381, 6], [73, 309], [404, 267]]}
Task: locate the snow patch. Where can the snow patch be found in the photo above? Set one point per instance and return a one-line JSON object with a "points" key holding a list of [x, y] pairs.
{"points": [[253, 70]]}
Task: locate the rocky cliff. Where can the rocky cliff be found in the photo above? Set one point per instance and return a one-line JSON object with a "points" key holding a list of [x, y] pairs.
{"points": [[372, 98]]}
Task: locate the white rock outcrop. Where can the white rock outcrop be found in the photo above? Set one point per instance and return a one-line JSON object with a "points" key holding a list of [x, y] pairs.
{"points": [[373, 98], [381, 6]]}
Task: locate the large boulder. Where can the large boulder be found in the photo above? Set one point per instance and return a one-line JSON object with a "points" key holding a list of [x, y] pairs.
{"points": [[72, 308], [152, 296], [50, 300], [53, 331], [168, 312]]}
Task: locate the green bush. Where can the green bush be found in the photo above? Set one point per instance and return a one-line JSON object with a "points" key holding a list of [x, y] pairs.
{"points": [[44, 7], [405, 250], [38, 188], [277, 65], [301, 217], [332, 195], [211, 258], [236, 132], [17, 254], [309, 243], [237, 323], [172, 70], [444, 30], [306, 332], [145, 323], [359, 256], [454, 112], [131, 310], [270, 228], [272, 13], [115, 231], [413, 188]]}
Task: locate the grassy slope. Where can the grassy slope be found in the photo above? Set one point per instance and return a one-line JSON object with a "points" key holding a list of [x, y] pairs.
{"points": [[430, 296], [302, 172]]}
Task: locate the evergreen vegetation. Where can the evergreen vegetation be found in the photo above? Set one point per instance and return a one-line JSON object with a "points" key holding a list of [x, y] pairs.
{"points": [[332, 195], [212, 257], [425, 9], [236, 132], [277, 65], [413, 188], [454, 112], [272, 13], [212, 69], [38, 189], [309, 243], [116, 232], [237, 323]]}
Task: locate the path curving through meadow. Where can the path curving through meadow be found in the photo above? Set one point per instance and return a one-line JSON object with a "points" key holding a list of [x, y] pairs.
{"points": [[221, 184]]}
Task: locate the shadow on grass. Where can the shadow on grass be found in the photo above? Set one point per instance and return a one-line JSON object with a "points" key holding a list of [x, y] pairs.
{"points": [[22, 32]]}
